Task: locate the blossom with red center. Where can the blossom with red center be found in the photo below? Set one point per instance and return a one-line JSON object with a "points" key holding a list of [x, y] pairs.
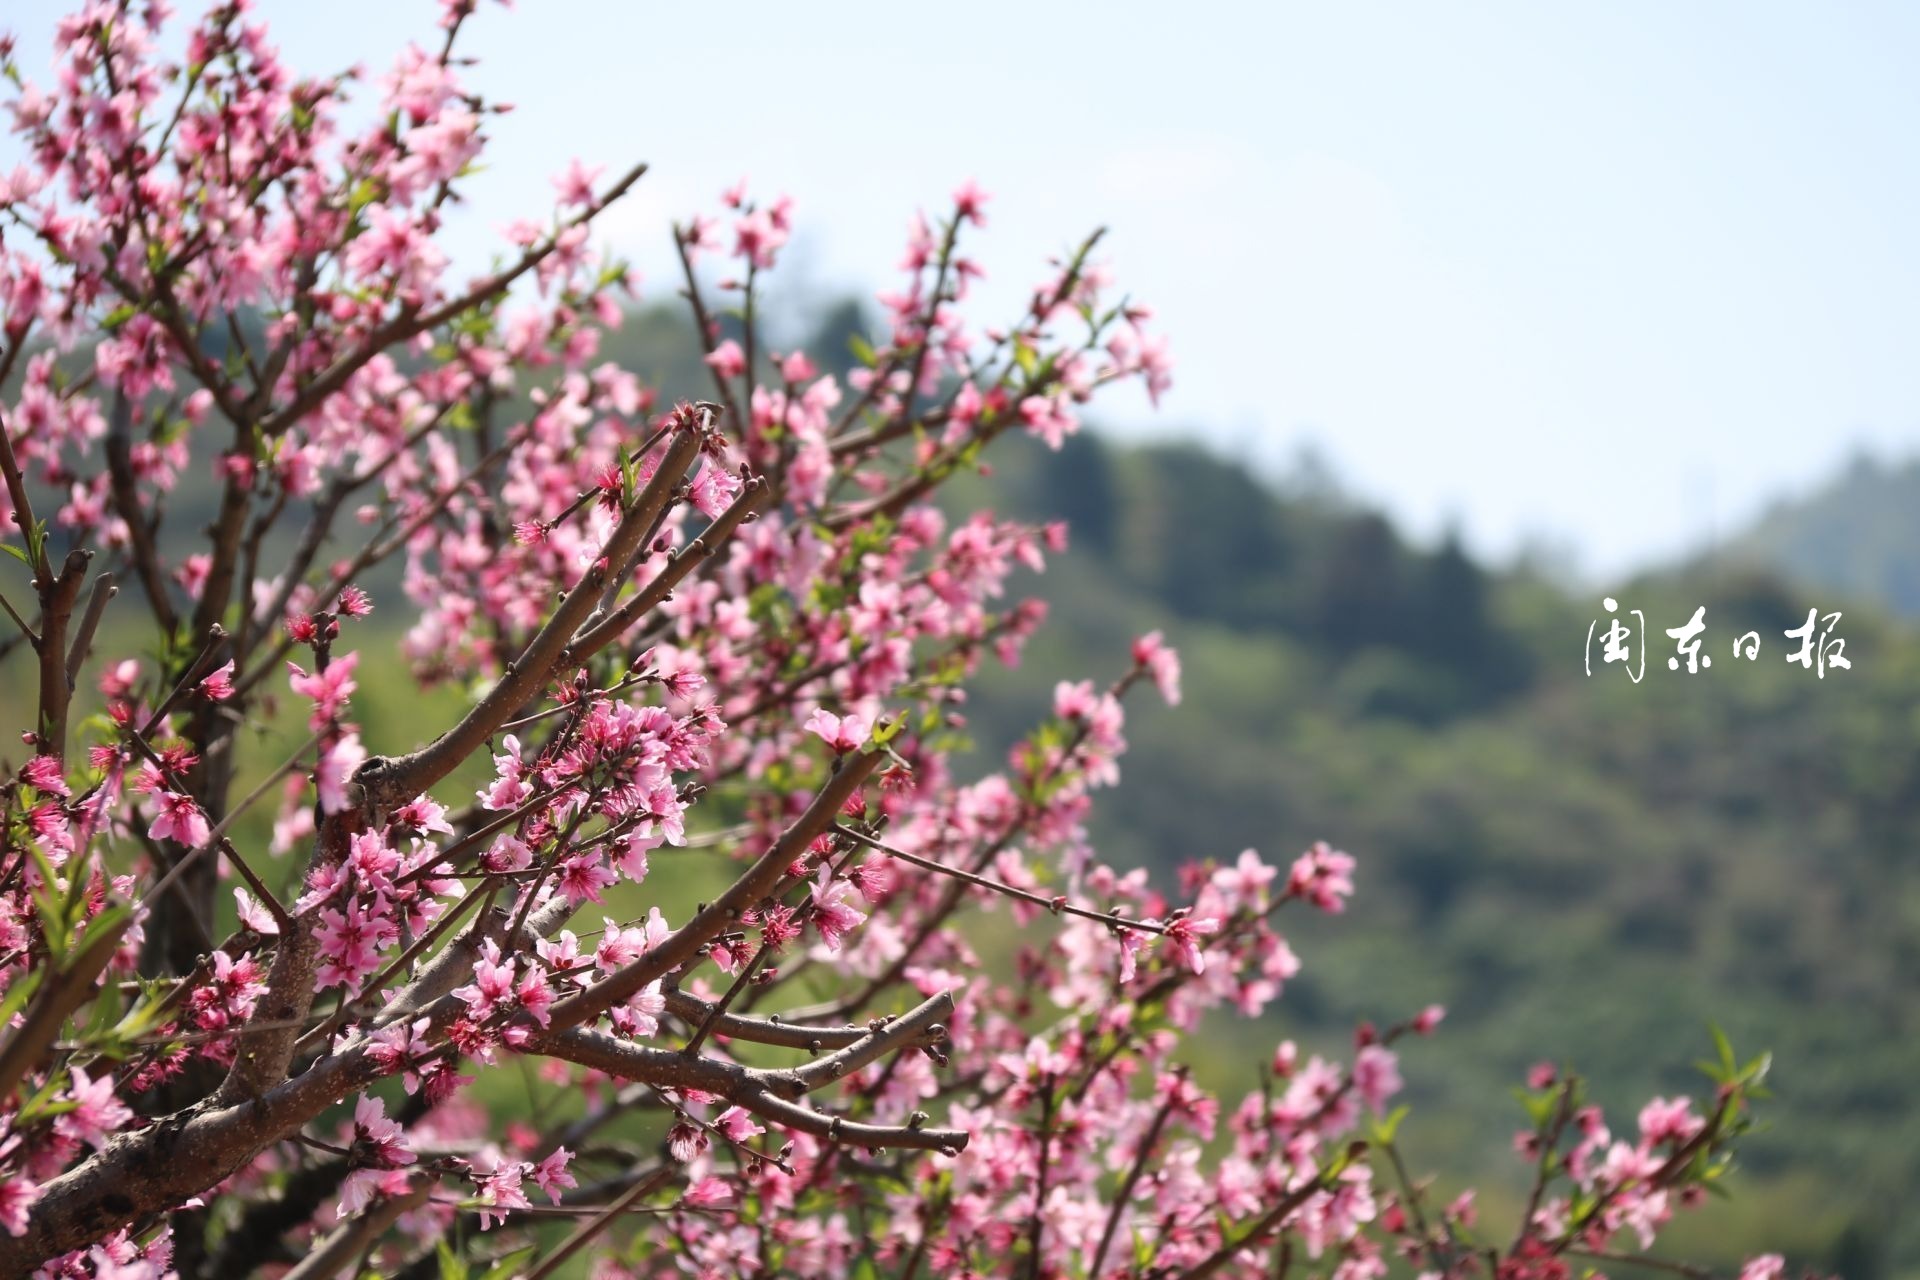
{"points": [[179, 819], [832, 915]]}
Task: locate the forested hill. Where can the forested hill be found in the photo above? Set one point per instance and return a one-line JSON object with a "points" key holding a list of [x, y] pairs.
{"points": [[1859, 533], [1578, 867]]}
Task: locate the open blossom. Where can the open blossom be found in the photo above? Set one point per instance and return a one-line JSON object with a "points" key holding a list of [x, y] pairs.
{"points": [[1664, 1121], [329, 689], [43, 774], [492, 983], [179, 819], [218, 684], [499, 1183], [727, 359], [842, 733], [96, 1113], [1184, 934], [17, 1195], [832, 914], [551, 1174], [713, 489], [576, 184]]}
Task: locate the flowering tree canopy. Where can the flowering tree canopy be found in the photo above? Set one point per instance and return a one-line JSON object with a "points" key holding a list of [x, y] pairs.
{"points": [[732, 633]]}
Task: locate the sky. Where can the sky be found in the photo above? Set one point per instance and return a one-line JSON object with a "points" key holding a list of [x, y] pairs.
{"points": [[1602, 280]]}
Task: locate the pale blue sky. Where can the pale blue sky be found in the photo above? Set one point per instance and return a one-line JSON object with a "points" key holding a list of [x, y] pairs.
{"points": [[1609, 275]]}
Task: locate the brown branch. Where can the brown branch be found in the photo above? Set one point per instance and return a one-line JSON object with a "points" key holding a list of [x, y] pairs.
{"points": [[704, 324], [411, 321], [395, 781], [22, 505], [1057, 905], [125, 491], [1272, 1218], [594, 1226], [685, 944], [1128, 1183], [57, 598], [338, 1251], [770, 1030], [103, 591]]}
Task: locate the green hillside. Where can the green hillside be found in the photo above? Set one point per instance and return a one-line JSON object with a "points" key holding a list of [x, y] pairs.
{"points": [[1577, 867], [1856, 534]]}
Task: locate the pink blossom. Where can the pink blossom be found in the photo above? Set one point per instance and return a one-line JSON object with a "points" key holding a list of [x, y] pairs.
{"points": [[1376, 1075], [492, 983], [727, 359], [43, 773], [96, 1114], [218, 684], [551, 1174], [329, 689], [179, 819], [253, 915], [832, 915], [968, 200], [576, 184], [842, 733], [17, 1195], [1184, 933], [714, 489], [1664, 1121], [1767, 1266], [1162, 662], [1323, 876], [707, 1193]]}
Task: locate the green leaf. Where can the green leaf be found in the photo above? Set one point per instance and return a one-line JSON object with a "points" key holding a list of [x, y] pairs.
{"points": [[53, 917], [46, 1102], [1725, 1046], [18, 994], [452, 1265], [1027, 358], [1383, 1130], [16, 553]]}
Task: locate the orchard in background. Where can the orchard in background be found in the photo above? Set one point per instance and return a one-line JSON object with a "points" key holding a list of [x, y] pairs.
{"points": [[732, 633]]}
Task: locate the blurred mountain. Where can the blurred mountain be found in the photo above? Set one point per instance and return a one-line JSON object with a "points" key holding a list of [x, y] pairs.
{"points": [[1859, 534], [1577, 866]]}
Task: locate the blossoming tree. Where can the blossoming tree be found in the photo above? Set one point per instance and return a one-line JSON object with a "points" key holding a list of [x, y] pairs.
{"points": [[736, 630]]}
